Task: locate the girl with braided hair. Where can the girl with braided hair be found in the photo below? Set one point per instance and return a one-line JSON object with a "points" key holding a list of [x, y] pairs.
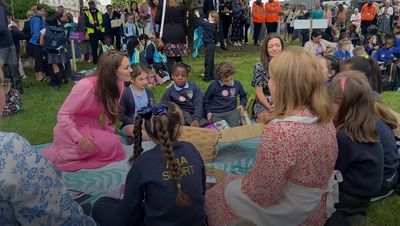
{"points": [[165, 185]]}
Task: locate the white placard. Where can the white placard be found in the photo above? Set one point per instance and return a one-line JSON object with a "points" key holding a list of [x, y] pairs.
{"points": [[316, 24]]}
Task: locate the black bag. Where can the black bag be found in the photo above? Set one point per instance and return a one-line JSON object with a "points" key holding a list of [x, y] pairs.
{"points": [[27, 30], [55, 40]]}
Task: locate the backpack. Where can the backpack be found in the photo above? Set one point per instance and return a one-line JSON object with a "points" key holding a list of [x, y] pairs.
{"points": [[27, 30], [13, 103], [55, 40]]}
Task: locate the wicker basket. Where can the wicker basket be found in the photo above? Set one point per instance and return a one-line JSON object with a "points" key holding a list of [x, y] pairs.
{"points": [[203, 139]]}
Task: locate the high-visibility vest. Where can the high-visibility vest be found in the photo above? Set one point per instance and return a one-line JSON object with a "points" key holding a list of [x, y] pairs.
{"points": [[258, 12], [90, 30], [272, 12], [368, 12]]}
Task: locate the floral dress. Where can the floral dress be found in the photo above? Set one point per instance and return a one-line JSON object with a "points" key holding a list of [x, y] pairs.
{"points": [[260, 78], [289, 151]]}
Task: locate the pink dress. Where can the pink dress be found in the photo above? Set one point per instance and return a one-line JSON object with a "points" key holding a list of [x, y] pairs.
{"points": [[300, 153], [81, 115]]}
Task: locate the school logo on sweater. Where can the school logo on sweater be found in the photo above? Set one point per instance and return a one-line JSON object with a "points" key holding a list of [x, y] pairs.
{"points": [[189, 94], [232, 91], [186, 168]]}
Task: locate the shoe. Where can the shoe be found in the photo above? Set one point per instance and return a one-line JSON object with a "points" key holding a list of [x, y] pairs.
{"points": [[24, 77], [202, 75], [224, 48], [206, 79], [218, 44], [239, 44], [236, 44]]}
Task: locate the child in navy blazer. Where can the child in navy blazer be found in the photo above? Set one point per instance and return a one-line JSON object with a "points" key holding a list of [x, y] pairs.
{"points": [[220, 99]]}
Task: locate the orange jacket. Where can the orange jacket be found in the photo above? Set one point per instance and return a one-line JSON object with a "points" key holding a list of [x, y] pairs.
{"points": [[272, 12], [368, 12], [258, 13]]}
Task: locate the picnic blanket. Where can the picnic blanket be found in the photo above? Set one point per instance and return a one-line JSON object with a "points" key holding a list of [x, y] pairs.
{"points": [[234, 157]]}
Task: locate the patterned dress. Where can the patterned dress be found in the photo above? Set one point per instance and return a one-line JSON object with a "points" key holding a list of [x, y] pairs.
{"points": [[260, 78], [32, 191], [299, 153]]}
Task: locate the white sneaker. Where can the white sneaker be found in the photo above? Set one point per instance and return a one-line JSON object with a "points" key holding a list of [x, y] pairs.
{"points": [[218, 44], [202, 75], [236, 44]]}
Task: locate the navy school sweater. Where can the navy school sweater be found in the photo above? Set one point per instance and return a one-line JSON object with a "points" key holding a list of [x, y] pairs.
{"points": [[361, 165], [210, 31], [189, 99], [127, 105], [222, 98], [150, 194]]}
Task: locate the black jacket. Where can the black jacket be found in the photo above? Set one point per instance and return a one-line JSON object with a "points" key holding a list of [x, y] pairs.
{"points": [[175, 24]]}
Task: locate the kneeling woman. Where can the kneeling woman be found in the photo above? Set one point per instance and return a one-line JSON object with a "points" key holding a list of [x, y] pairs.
{"points": [[294, 168], [84, 134]]}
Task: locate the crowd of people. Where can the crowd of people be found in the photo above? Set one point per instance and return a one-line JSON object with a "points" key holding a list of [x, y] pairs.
{"points": [[327, 149]]}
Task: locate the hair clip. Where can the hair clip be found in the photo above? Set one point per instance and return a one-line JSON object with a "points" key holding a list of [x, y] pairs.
{"points": [[343, 82]]}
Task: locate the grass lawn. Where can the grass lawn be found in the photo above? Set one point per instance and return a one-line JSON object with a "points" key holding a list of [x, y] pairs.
{"points": [[41, 103]]}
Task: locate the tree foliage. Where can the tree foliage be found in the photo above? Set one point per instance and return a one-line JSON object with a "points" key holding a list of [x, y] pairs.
{"points": [[20, 7]]}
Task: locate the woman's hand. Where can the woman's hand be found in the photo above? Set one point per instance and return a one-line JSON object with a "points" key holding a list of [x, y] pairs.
{"points": [[197, 13], [86, 144]]}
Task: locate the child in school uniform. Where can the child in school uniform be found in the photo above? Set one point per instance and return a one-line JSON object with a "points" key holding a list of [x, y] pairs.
{"points": [[154, 56], [187, 95], [133, 98], [386, 52], [107, 45], [343, 52], [165, 185], [134, 54], [209, 36], [129, 30], [330, 66], [220, 99], [359, 135]]}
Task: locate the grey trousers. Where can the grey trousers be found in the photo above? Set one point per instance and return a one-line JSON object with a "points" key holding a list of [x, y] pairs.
{"points": [[189, 119], [231, 117]]}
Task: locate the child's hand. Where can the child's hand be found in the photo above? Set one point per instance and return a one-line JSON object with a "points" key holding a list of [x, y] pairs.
{"points": [[197, 13], [240, 108], [209, 117], [195, 123]]}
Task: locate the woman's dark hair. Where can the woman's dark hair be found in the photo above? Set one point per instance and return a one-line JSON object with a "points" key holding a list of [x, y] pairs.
{"points": [[315, 33], [137, 7], [107, 88], [370, 68], [333, 63], [164, 129], [356, 114], [340, 8], [40, 7], [177, 65], [52, 19], [131, 45], [264, 56], [143, 37]]}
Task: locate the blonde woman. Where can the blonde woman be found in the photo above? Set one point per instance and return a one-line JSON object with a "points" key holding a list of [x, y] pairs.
{"points": [[294, 168]]}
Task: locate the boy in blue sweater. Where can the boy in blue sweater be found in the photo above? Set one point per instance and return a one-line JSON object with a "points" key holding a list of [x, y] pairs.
{"points": [[385, 53], [343, 52], [209, 37], [220, 99], [186, 95]]}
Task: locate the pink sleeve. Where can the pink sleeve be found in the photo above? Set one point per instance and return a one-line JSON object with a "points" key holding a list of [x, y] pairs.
{"points": [[264, 183], [80, 98]]}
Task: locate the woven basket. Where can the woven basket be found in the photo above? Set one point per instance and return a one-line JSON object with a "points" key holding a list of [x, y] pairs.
{"points": [[203, 139]]}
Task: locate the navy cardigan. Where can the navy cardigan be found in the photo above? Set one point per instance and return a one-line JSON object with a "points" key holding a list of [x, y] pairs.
{"points": [[127, 106]]}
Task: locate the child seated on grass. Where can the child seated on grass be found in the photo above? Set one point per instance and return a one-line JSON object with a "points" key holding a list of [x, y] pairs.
{"points": [[107, 45], [360, 51], [385, 53], [220, 99], [133, 98], [165, 185], [134, 54], [187, 95], [343, 52], [362, 136], [154, 56], [129, 30]]}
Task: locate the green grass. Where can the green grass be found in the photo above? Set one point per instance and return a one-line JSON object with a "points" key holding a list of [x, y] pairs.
{"points": [[41, 103]]}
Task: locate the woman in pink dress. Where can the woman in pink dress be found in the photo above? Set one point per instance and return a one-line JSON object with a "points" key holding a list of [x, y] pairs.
{"points": [[294, 168], [84, 134]]}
